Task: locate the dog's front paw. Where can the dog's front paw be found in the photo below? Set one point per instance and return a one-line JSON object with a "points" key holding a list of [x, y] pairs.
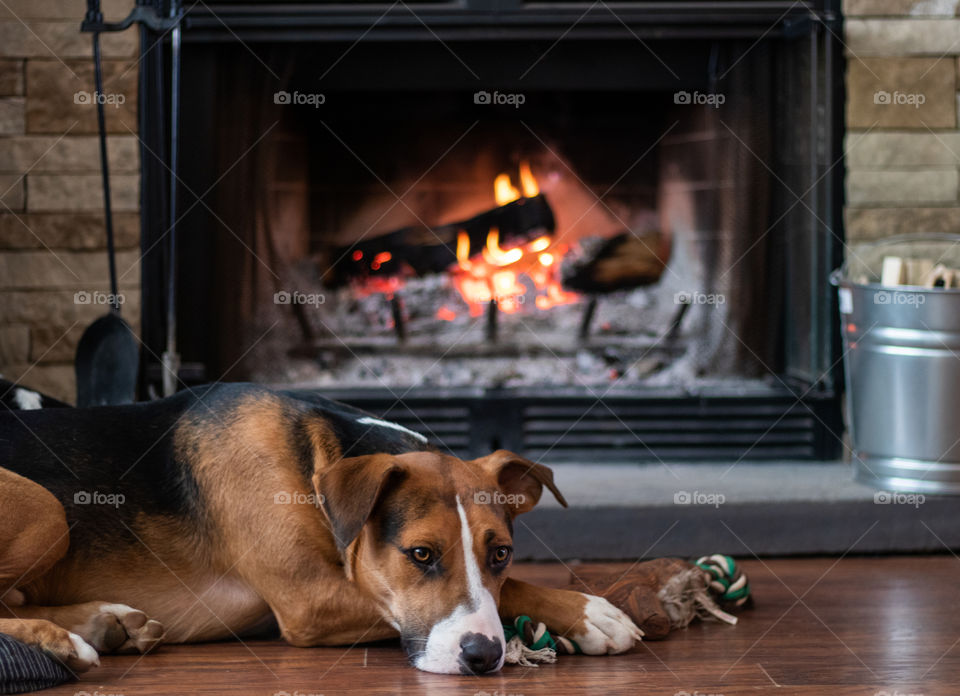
{"points": [[67, 647], [604, 629]]}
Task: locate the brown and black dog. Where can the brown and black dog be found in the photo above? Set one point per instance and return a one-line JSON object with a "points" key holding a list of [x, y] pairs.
{"points": [[221, 510]]}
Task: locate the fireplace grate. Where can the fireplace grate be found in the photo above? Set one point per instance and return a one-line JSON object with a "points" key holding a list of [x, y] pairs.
{"points": [[771, 423]]}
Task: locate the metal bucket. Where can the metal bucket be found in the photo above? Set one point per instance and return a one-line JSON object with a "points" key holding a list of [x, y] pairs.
{"points": [[902, 364]]}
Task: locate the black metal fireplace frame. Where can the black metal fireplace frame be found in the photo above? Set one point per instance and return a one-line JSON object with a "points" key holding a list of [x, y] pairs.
{"points": [[796, 416]]}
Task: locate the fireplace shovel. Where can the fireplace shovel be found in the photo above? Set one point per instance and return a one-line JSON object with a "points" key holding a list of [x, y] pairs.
{"points": [[108, 354]]}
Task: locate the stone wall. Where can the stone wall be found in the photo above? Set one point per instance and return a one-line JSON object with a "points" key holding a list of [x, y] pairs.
{"points": [[903, 142], [53, 264]]}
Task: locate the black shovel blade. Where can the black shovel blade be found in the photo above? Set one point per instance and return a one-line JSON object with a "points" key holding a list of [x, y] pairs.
{"points": [[107, 362]]}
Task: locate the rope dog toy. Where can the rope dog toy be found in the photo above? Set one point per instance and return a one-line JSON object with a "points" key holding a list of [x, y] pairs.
{"points": [[661, 595]]}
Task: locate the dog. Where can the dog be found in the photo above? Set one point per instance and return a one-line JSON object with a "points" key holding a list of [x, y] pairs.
{"points": [[224, 510]]}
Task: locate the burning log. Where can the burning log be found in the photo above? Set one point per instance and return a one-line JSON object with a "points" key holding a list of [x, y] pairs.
{"points": [[620, 262], [423, 250]]}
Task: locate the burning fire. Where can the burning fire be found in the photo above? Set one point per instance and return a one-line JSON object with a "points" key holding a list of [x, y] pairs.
{"points": [[509, 276]]}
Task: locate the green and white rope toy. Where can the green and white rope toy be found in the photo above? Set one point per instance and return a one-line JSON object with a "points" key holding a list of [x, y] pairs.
{"points": [[529, 643], [704, 590], [725, 579]]}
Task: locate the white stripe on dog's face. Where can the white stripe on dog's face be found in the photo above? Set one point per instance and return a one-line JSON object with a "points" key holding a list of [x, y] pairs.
{"points": [[478, 616]]}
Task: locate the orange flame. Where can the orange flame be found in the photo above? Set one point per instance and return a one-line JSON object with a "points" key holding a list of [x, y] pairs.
{"points": [[494, 255], [503, 190], [527, 181], [463, 250]]}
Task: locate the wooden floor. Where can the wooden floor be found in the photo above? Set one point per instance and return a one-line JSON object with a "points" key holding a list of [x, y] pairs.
{"points": [[887, 626]]}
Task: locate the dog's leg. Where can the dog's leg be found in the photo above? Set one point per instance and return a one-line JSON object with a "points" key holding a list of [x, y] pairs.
{"points": [[33, 533], [327, 611], [109, 628], [72, 650], [33, 537], [598, 627]]}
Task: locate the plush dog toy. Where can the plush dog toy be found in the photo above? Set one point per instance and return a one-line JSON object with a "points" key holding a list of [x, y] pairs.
{"points": [[659, 595]]}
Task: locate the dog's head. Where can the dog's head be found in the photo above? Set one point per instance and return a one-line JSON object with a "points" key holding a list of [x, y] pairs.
{"points": [[429, 537]]}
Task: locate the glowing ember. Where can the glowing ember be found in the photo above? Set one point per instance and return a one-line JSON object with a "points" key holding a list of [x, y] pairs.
{"points": [[540, 244], [446, 314], [380, 259]]}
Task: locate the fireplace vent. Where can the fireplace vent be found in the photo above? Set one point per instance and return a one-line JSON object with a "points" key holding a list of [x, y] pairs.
{"points": [[584, 428]]}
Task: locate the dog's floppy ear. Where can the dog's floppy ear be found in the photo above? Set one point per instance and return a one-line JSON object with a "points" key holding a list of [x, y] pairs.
{"points": [[518, 476], [350, 488]]}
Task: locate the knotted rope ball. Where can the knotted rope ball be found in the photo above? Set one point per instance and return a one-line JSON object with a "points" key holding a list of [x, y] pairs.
{"points": [[725, 579]]}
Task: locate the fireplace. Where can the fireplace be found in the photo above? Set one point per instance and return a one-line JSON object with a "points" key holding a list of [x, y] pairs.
{"points": [[578, 231]]}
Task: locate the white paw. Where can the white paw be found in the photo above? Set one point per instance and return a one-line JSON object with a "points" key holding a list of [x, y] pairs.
{"points": [[83, 656], [607, 630]]}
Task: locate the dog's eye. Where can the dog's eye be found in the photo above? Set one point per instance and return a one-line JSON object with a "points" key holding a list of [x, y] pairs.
{"points": [[501, 555], [421, 555]]}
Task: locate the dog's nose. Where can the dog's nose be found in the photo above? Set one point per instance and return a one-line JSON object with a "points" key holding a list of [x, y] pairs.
{"points": [[479, 653]]}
